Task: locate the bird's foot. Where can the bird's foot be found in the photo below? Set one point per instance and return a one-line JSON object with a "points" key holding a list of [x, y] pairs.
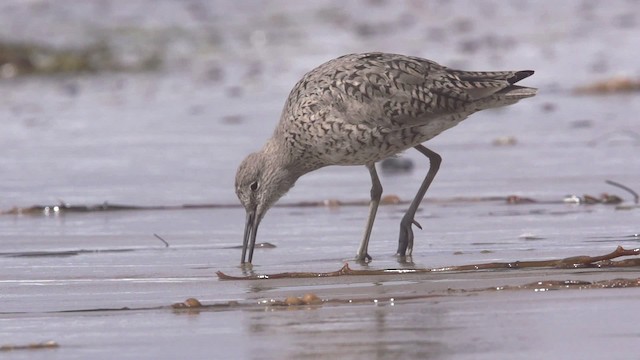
{"points": [[363, 259], [405, 260], [405, 239]]}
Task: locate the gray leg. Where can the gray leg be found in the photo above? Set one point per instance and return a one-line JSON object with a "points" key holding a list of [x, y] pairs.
{"points": [[405, 241], [376, 193]]}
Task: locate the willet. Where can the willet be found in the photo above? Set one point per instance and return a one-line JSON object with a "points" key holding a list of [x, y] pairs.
{"points": [[359, 109]]}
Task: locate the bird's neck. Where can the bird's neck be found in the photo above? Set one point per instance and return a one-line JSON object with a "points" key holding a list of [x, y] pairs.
{"points": [[285, 158]]}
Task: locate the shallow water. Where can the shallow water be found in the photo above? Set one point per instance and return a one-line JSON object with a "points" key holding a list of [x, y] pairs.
{"points": [[176, 136]]}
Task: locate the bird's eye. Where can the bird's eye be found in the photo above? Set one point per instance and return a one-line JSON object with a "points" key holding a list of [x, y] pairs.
{"points": [[254, 186]]}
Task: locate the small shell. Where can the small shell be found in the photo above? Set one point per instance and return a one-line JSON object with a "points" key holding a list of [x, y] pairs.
{"points": [[332, 203], [390, 199], [292, 301], [192, 303], [311, 299]]}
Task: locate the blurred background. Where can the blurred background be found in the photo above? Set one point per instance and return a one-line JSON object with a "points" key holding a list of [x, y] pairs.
{"points": [[156, 102]]}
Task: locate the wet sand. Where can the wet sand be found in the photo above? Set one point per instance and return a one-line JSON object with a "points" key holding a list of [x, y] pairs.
{"points": [[93, 285]]}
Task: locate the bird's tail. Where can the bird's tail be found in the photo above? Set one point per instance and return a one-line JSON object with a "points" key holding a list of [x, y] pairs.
{"points": [[495, 88]]}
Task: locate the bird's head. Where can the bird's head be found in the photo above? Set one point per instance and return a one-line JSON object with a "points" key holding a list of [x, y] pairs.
{"points": [[260, 181]]}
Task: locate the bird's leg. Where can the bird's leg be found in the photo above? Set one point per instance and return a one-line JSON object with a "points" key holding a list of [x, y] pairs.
{"points": [[376, 193], [405, 241]]}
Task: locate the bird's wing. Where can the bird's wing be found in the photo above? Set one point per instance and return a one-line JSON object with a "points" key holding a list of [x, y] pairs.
{"points": [[397, 91]]}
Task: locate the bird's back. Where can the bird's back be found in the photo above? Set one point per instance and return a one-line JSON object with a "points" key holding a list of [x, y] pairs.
{"points": [[361, 108]]}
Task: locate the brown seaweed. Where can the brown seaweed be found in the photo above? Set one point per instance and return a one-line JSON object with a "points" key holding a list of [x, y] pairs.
{"points": [[582, 261]]}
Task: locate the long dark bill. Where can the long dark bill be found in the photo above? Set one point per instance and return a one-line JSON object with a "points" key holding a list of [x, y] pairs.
{"points": [[250, 232]]}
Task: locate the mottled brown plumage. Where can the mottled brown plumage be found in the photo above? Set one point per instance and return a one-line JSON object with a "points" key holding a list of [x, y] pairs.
{"points": [[359, 109]]}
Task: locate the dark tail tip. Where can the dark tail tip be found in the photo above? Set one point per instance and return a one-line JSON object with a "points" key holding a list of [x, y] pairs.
{"points": [[519, 75]]}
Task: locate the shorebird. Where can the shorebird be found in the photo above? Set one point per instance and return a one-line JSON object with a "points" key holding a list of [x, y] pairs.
{"points": [[359, 109]]}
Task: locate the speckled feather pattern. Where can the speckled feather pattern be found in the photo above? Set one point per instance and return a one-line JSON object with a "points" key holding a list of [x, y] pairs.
{"points": [[361, 108]]}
